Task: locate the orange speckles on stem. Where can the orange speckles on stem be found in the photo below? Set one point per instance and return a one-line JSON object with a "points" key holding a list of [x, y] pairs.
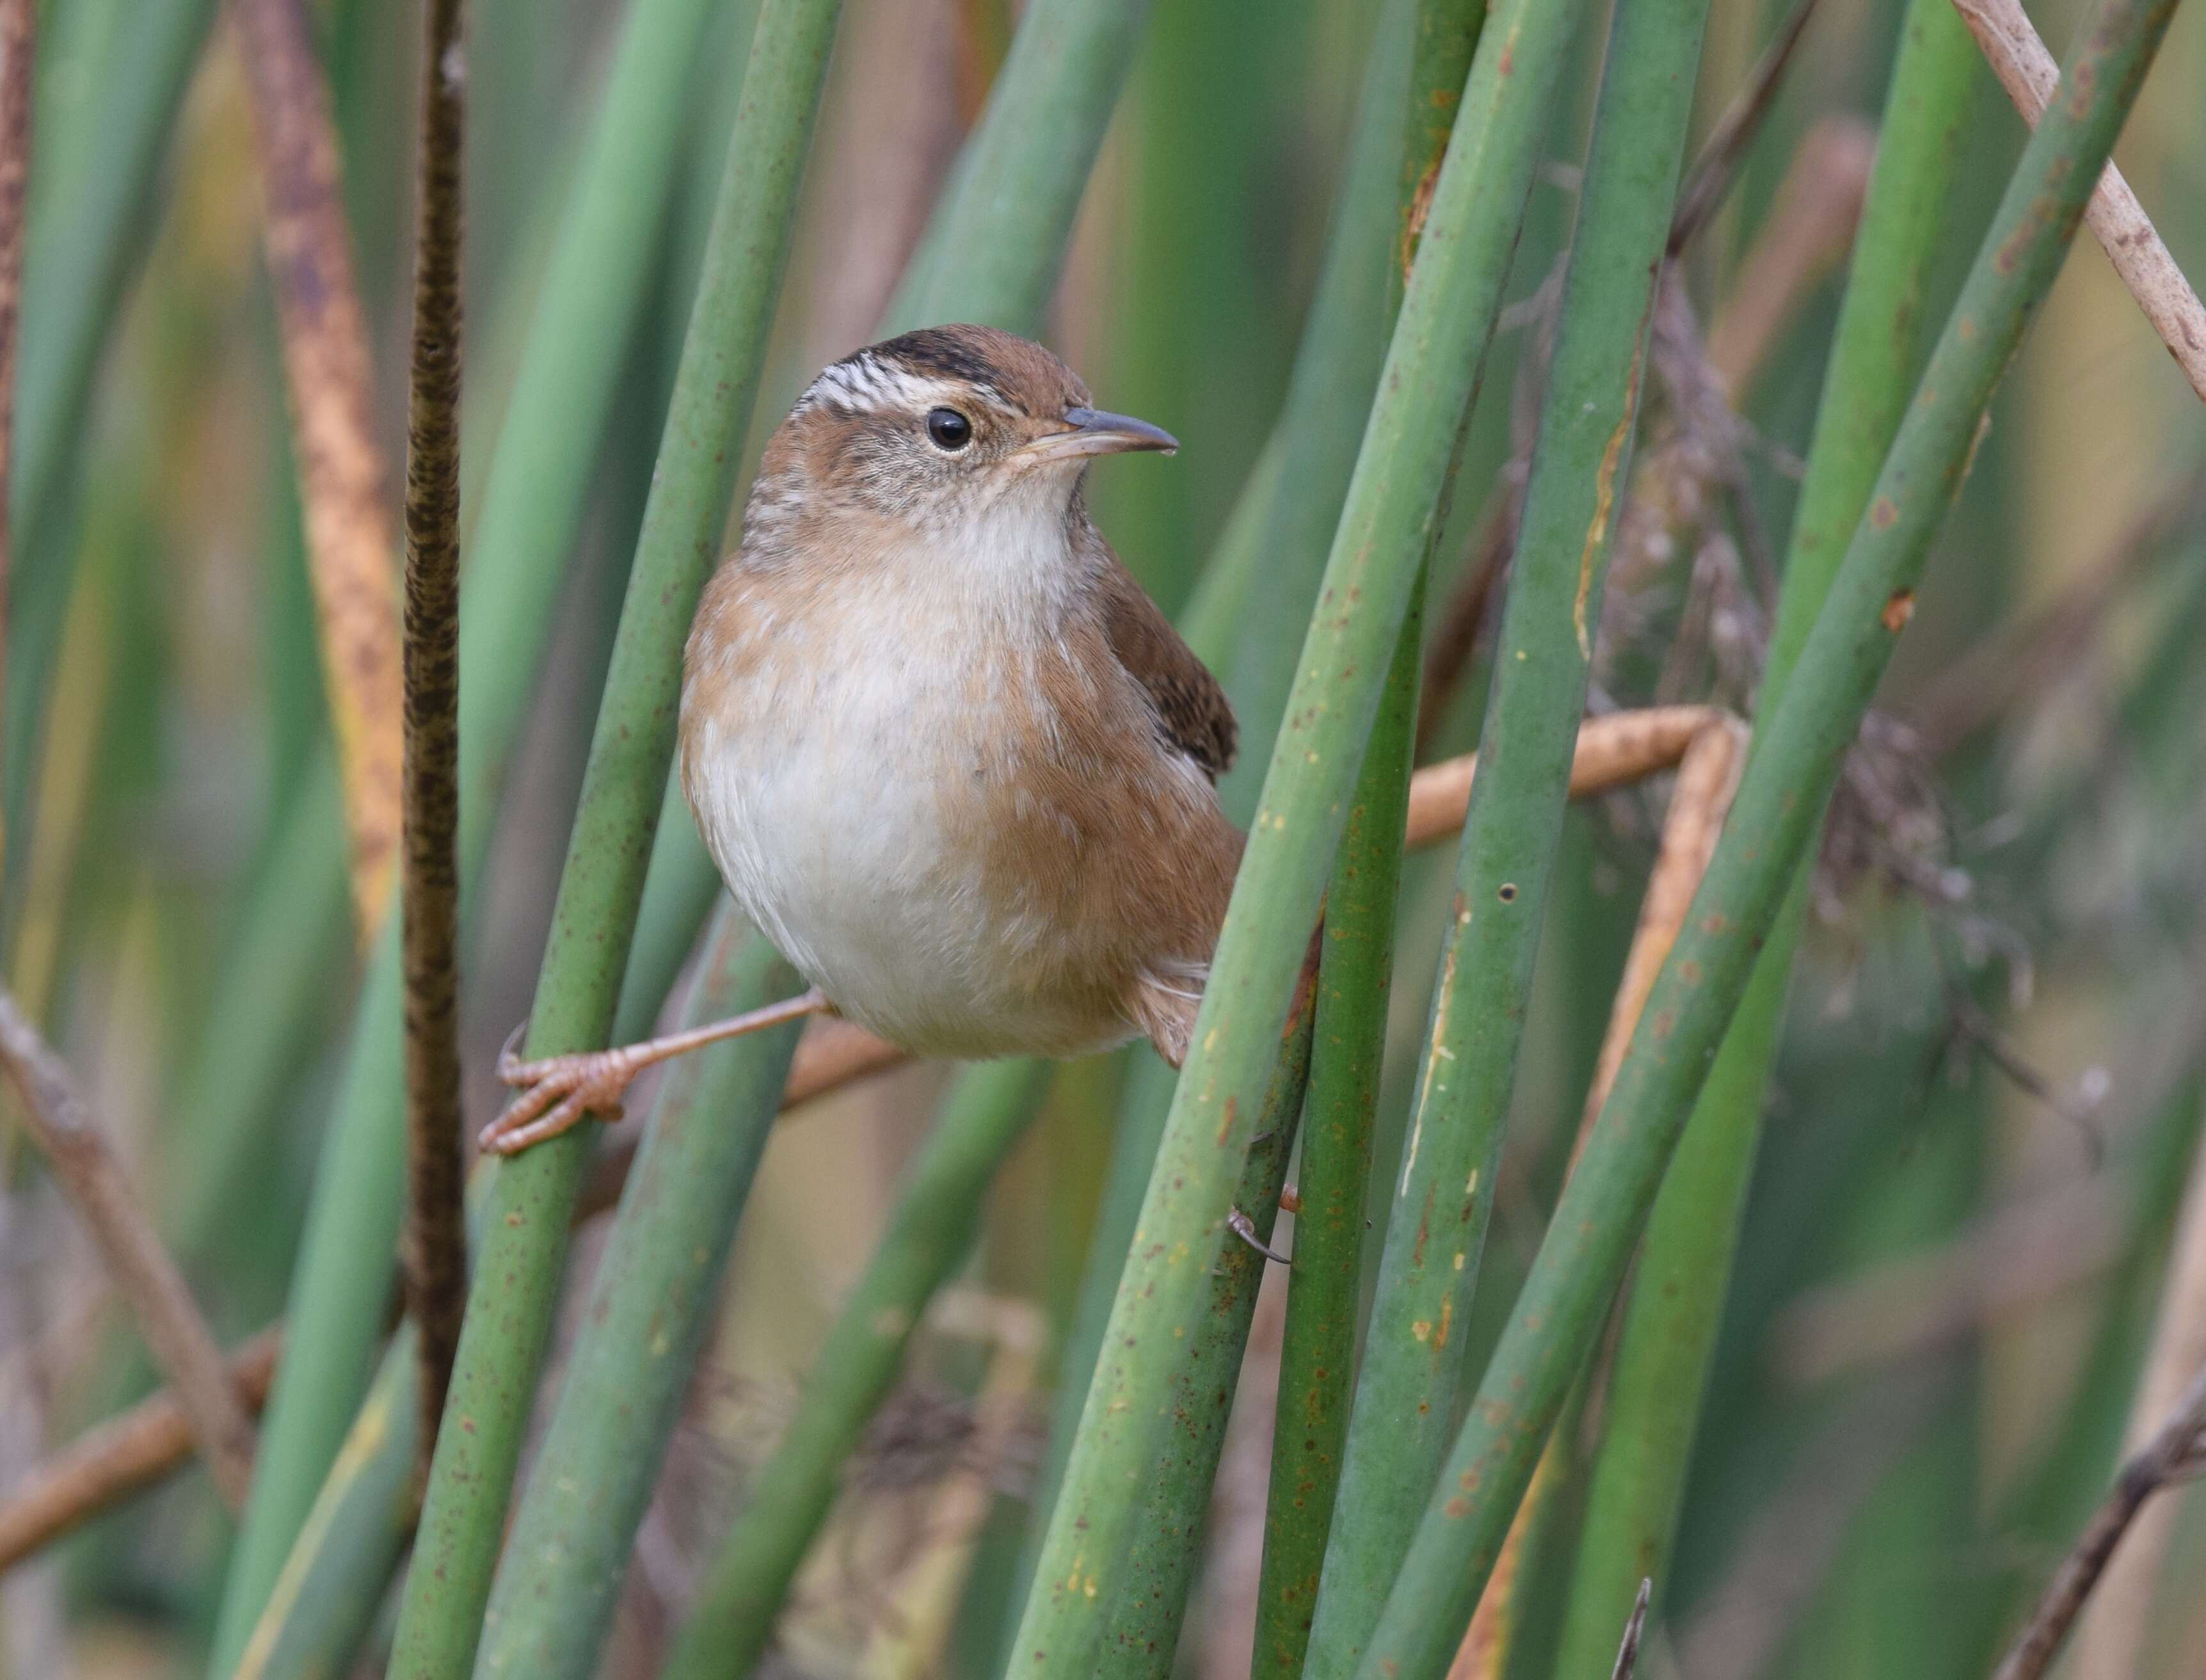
{"points": [[1898, 608], [1413, 226], [1884, 512], [1604, 502]]}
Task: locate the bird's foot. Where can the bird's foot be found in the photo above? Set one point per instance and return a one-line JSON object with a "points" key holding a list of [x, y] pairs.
{"points": [[1245, 1228], [556, 1094], [557, 1091]]}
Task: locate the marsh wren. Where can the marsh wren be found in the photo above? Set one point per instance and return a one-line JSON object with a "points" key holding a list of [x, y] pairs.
{"points": [[946, 753]]}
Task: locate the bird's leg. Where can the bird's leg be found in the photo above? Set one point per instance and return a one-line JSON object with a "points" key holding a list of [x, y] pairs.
{"points": [[557, 1091]]}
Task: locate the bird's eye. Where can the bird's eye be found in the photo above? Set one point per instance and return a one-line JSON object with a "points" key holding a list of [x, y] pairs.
{"points": [[951, 430]]}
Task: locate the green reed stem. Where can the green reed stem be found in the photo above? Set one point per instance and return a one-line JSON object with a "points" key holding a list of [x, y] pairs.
{"points": [[557, 1566], [326, 1596], [1662, 1369], [1393, 502], [1317, 1356], [524, 1253], [88, 220], [649, 1310], [930, 1231], [1773, 820], [1414, 1350], [1023, 171], [1328, 398], [1427, 49], [584, 316]]}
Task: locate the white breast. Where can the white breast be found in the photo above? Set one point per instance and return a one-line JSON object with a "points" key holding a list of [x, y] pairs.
{"points": [[824, 772]]}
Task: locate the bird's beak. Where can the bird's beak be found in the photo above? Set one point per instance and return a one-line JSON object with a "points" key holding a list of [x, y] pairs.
{"points": [[1093, 432]]}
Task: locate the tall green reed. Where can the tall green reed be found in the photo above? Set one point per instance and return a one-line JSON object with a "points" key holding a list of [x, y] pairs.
{"points": [[1416, 1343], [1603, 1207], [585, 315], [1393, 502], [1670, 1325], [523, 1256]]}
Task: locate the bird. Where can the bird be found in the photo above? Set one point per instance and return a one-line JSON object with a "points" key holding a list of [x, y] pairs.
{"points": [[944, 750]]}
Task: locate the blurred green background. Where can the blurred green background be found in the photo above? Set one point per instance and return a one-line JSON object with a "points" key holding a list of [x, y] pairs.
{"points": [[1963, 1220]]}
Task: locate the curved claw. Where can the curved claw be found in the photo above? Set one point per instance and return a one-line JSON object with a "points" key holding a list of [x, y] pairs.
{"points": [[1244, 1228], [510, 1065]]}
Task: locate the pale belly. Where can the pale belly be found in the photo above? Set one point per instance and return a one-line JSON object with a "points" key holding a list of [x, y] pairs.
{"points": [[839, 803]]}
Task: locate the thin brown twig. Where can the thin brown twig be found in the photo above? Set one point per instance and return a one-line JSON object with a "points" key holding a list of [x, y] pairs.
{"points": [[2110, 1645], [2029, 75], [2174, 1451], [1627, 1653], [116, 1459], [436, 1225], [122, 1457], [1613, 750], [342, 476], [1970, 1024], [1714, 170], [145, 1272], [19, 29]]}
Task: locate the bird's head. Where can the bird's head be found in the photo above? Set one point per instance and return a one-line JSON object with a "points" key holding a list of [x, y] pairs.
{"points": [[947, 429]]}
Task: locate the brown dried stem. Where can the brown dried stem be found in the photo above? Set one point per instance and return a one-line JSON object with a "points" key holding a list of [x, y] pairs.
{"points": [[2174, 1451], [436, 1253], [2110, 1645], [18, 27], [1627, 1653], [1620, 748], [2029, 75], [145, 1272], [122, 1457], [342, 478]]}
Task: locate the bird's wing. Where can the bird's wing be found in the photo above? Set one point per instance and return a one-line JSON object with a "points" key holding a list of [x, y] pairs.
{"points": [[1193, 713]]}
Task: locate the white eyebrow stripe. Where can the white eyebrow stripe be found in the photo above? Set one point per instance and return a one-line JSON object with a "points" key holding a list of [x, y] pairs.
{"points": [[866, 381]]}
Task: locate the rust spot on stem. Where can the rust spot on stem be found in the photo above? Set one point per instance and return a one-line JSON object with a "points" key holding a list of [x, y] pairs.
{"points": [[1604, 501]]}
